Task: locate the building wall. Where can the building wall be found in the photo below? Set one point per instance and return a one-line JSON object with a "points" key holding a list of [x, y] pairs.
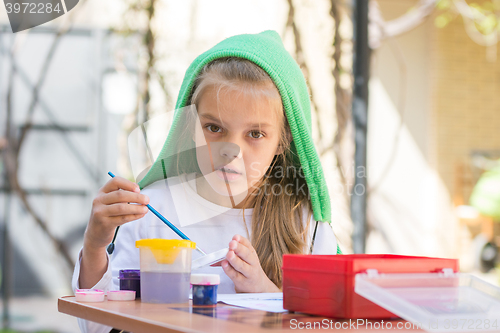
{"points": [[409, 207], [451, 108], [466, 104]]}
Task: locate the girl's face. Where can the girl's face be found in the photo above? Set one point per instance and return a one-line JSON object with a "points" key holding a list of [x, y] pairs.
{"points": [[242, 133]]}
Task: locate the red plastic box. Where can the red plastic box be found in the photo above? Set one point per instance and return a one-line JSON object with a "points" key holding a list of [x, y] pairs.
{"points": [[324, 284]]}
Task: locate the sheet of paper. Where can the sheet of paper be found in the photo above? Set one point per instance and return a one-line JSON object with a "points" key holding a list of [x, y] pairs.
{"points": [[271, 302]]}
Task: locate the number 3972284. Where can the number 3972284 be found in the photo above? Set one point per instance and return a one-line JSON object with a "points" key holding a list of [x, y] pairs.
{"points": [[33, 8]]}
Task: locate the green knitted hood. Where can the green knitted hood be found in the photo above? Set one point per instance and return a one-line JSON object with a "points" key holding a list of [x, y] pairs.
{"points": [[267, 51]]}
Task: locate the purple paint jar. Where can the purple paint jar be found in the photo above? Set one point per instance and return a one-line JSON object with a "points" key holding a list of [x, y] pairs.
{"points": [[205, 289], [130, 279]]}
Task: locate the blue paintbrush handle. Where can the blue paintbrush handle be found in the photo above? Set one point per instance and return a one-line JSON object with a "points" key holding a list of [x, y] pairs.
{"points": [[164, 220], [161, 217], [167, 222]]}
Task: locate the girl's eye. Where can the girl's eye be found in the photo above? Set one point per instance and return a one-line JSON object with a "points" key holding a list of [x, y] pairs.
{"points": [[214, 128], [256, 135]]}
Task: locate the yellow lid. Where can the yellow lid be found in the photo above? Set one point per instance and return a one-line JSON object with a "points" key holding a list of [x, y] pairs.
{"points": [[165, 244], [165, 251]]}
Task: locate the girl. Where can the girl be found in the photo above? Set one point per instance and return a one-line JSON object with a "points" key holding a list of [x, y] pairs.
{"points": [[257, 186]]}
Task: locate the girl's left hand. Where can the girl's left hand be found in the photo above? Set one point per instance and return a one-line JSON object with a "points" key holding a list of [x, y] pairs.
{"points": [[242, 265]]}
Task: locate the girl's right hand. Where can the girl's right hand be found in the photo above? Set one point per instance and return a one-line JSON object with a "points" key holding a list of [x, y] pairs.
{"points": [[110, 208], [119, 201]]}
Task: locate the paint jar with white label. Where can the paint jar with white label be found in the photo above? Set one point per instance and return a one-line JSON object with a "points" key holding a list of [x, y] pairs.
{"points": [[205, 289]]}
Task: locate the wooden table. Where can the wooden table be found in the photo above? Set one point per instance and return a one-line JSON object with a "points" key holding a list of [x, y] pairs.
{"points": [[138, 317]]}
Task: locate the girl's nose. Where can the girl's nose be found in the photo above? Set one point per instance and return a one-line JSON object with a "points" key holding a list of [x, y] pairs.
{"points": [[230, 150]]}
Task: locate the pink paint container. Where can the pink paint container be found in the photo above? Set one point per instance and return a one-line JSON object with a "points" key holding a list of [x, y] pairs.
{"points": [[89, 295], [121, 295]]}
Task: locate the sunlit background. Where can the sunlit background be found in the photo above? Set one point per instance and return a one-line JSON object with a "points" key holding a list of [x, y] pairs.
{"points": [[72, 89]]}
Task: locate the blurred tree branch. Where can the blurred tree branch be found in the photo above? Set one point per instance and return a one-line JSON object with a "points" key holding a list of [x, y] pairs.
{"points": [[342, 95], [299, 57], [380, 29], [481, 21], [149, 41], [140, 16], [11, 154], [14, 144]]}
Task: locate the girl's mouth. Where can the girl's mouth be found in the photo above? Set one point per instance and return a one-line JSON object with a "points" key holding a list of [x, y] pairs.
{"points": [[227, 174]]}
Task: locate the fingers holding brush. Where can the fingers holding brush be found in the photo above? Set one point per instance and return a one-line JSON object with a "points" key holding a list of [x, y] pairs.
{"points": [[119, 201], [120, 183], [116, 203]]}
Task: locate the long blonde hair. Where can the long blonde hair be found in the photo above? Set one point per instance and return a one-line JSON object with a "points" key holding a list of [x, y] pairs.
{"points": [[277, 221]]}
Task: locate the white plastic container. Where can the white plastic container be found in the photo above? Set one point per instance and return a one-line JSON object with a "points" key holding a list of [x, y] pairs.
{"points": [[165, 270], [436, 302], [121, 295]]}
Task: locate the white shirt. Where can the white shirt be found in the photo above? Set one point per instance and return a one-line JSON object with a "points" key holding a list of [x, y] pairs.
{"points": [[209, 225]]}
